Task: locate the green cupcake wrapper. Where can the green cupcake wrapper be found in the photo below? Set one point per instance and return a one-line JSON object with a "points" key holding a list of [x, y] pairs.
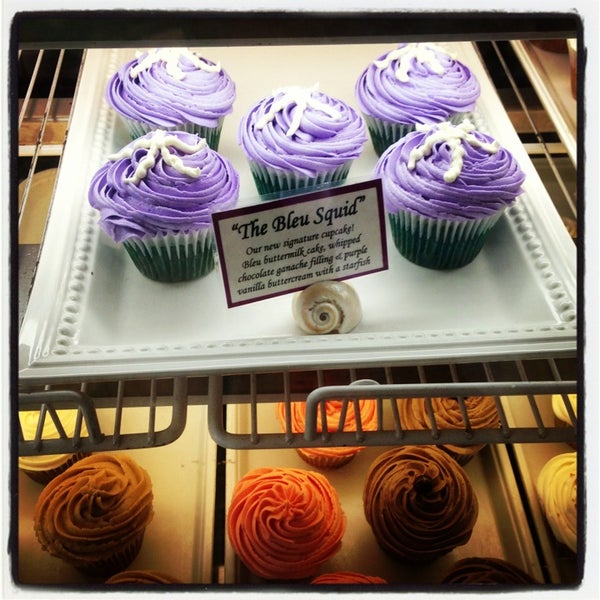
{"points": [[175, 257], [385, 133], [273, 181], [439, 244], [212, 135]]}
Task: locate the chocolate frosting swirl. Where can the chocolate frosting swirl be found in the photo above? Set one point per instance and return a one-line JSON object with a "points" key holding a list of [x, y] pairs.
{"points": [[284, 523], [487, 182], [419, 503], [432, 91], [93, 510], [486, 570]]}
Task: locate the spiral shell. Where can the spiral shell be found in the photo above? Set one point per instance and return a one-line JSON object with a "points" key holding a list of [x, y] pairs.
{"points": [[327, 307]]}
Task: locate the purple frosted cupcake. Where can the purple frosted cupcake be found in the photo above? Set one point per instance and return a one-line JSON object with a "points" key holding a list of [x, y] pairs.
{"points": [[172, 89], [417, 83], [157, 196], [300, 137], [444, 188]]}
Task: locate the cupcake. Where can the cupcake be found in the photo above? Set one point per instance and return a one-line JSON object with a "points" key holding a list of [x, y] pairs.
{"points": [[419, 503], [156, 197], [413, 84], [172, 89], [481, 411], [556, 488], [94, 515], [284, 523], [346, 577], [562, 416], [335, 456], [487, 571], [299, 137], [142, 577], [42, 468], [444, 188]]}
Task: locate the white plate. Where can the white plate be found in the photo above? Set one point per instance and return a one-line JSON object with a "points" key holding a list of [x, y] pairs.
{"points": [[91, 314]]}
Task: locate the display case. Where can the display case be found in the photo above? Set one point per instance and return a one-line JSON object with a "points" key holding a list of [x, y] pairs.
{"points": [[191, 393]]}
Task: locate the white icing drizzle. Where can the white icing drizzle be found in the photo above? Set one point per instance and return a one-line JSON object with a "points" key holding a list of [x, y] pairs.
{"points": [[453, 135], [303, 99], [171, 56], [159, 143], [422, 53]]}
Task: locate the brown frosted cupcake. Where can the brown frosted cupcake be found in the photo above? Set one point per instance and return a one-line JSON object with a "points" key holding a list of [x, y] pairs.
{"points": [[419, 503], [487, 571], [284, 523], [346, 577], [481, 411], [331, 457], [43, 468], [142, 577], [94, 515]]}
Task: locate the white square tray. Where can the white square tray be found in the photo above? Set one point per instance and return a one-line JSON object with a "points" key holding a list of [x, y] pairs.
{"points": [[91, 314]]}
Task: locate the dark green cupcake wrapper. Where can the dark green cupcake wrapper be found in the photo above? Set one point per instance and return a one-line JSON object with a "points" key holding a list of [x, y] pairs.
{"points": [[172, 258], [272, 181], [439, 244], [212, 135]]}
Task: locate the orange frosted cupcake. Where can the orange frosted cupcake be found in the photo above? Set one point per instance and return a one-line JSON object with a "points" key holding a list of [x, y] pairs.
{"points": [[142, 577], [330, 457], [94, 515], [480, 409], [346, 577], [43, 468], [284, 523]]}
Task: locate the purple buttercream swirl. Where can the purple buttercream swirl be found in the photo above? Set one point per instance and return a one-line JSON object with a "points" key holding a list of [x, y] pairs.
{"points": [[329, 132], [429, 95], [166, 200], [488, 181], [154, 96]]}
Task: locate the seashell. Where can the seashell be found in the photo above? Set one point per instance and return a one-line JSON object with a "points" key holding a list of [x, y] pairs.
{"points": [[327, 307]]}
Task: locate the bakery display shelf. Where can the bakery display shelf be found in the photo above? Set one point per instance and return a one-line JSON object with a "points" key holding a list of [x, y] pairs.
{"points": [[222, 393], [517, 298], [178, 540], [501, 530], [549, 73]]}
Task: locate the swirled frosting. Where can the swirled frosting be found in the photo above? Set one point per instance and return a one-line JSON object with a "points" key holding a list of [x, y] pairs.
{"points": [[346, 577], [284, 523], [449, 171], [559, 408], [481, 411], [169, 86], [557, 492], [302, 130], [142, 577], [419, 503], [163, 182], [486, 570], [416, 83], [331, 456], [94, 510]]}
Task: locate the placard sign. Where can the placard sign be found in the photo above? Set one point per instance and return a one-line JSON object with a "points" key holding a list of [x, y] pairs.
{"points": [[285, 245]]}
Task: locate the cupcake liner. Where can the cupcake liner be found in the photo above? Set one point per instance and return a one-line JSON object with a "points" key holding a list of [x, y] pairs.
{"points": [[44, 476], [115, 563], [212, 135], [325, 461], [439, 243], [173, 257], [273, 181], [385, 133]]}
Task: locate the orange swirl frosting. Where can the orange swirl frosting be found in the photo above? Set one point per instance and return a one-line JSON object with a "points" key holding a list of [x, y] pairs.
{"points": [[284, 523], [331, 456], [345, 577], [481, 411], [419, 503], [95, 509]]}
